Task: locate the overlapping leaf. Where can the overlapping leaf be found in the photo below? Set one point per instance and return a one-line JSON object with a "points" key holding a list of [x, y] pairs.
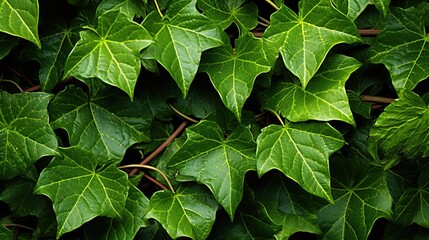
{"points": [[111, 52], [25, 134], [106, 123], [81, 190], [359, 186], [180, 38], [7, 42], [190, 212], [20, 19], [130, 7], [305, 39], [301, 152], [353, 8], [224, 13], [125, 228], [220, 164], [403, 47], [403, 127], [233, 71], [323, 99]]}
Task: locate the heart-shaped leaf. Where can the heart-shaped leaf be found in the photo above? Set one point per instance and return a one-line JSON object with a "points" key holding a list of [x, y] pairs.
{"points": [[111, 52], [180, 38], [323, 99], [220, 164], [301, 151], [305, 39], [81, 190], [25, 133]]}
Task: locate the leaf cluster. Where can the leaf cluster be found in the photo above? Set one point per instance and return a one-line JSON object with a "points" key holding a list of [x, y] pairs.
{"points": [[206, 119]]}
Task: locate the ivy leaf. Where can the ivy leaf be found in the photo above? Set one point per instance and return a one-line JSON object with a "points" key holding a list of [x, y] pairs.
{"points": [[323, 99], [111, 52], [359, 186], [403, 126], [305, 39], [301, 152], [219, 163], [190, 212], [7, 42], [233, 71], [80, 190], [20, 19], [180, 38], [224, 13], [125, 228], [353, 8], [403, 48], [413, 205], [25, 134], [106, 123], [130, 7]]}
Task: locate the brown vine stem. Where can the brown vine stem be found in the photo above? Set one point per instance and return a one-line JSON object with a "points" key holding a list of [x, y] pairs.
{"points": [[29, 82], [376, 99], [151, 168], [33, 89], [18, 225], [369, 32], [161, 147], [176, 111], [156, 182]]}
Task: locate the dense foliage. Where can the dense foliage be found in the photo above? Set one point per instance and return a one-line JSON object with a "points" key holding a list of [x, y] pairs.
{"points": [[208, 119]]}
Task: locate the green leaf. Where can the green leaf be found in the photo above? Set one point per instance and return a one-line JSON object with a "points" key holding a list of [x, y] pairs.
{"points": [[224, 13], [323, 99], [403, 48], [359, 186], [233, 71], [130, 7], [413, 205], [20, 19], [7, 42], [301, 152], [353, 8], [180, 38], [106, 124], [125, 228], [80, 190], [403, 127], [111, 52], [25, 134], [190, 212], [219, 163], [305, 39]]}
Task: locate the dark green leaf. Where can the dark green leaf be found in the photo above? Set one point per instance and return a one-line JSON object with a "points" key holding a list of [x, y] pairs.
{"points": [[323, 99], [20, 19], [180, 38], [219, 163], [233, 71], [403, 127], [80, 190], [360, 186], [301, 152], [111, 52], [25, 134], [130, 7], [224, 13], [107, 123], [190, 212], [403, 47], [305, 39], [7, 42]]}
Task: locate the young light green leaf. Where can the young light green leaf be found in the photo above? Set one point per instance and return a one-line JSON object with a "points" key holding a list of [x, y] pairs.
{"points": [[224, 13], [106, 123], [111, 52], [25, 134], [403, 127], [130, 7], [180, 38], [305, 39], [80, 190], [323, 99], [219, 163], [301, 151], [403, 47], [233, 71], [190, 212], [358, 185], [20, 19], [126, 228]]}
